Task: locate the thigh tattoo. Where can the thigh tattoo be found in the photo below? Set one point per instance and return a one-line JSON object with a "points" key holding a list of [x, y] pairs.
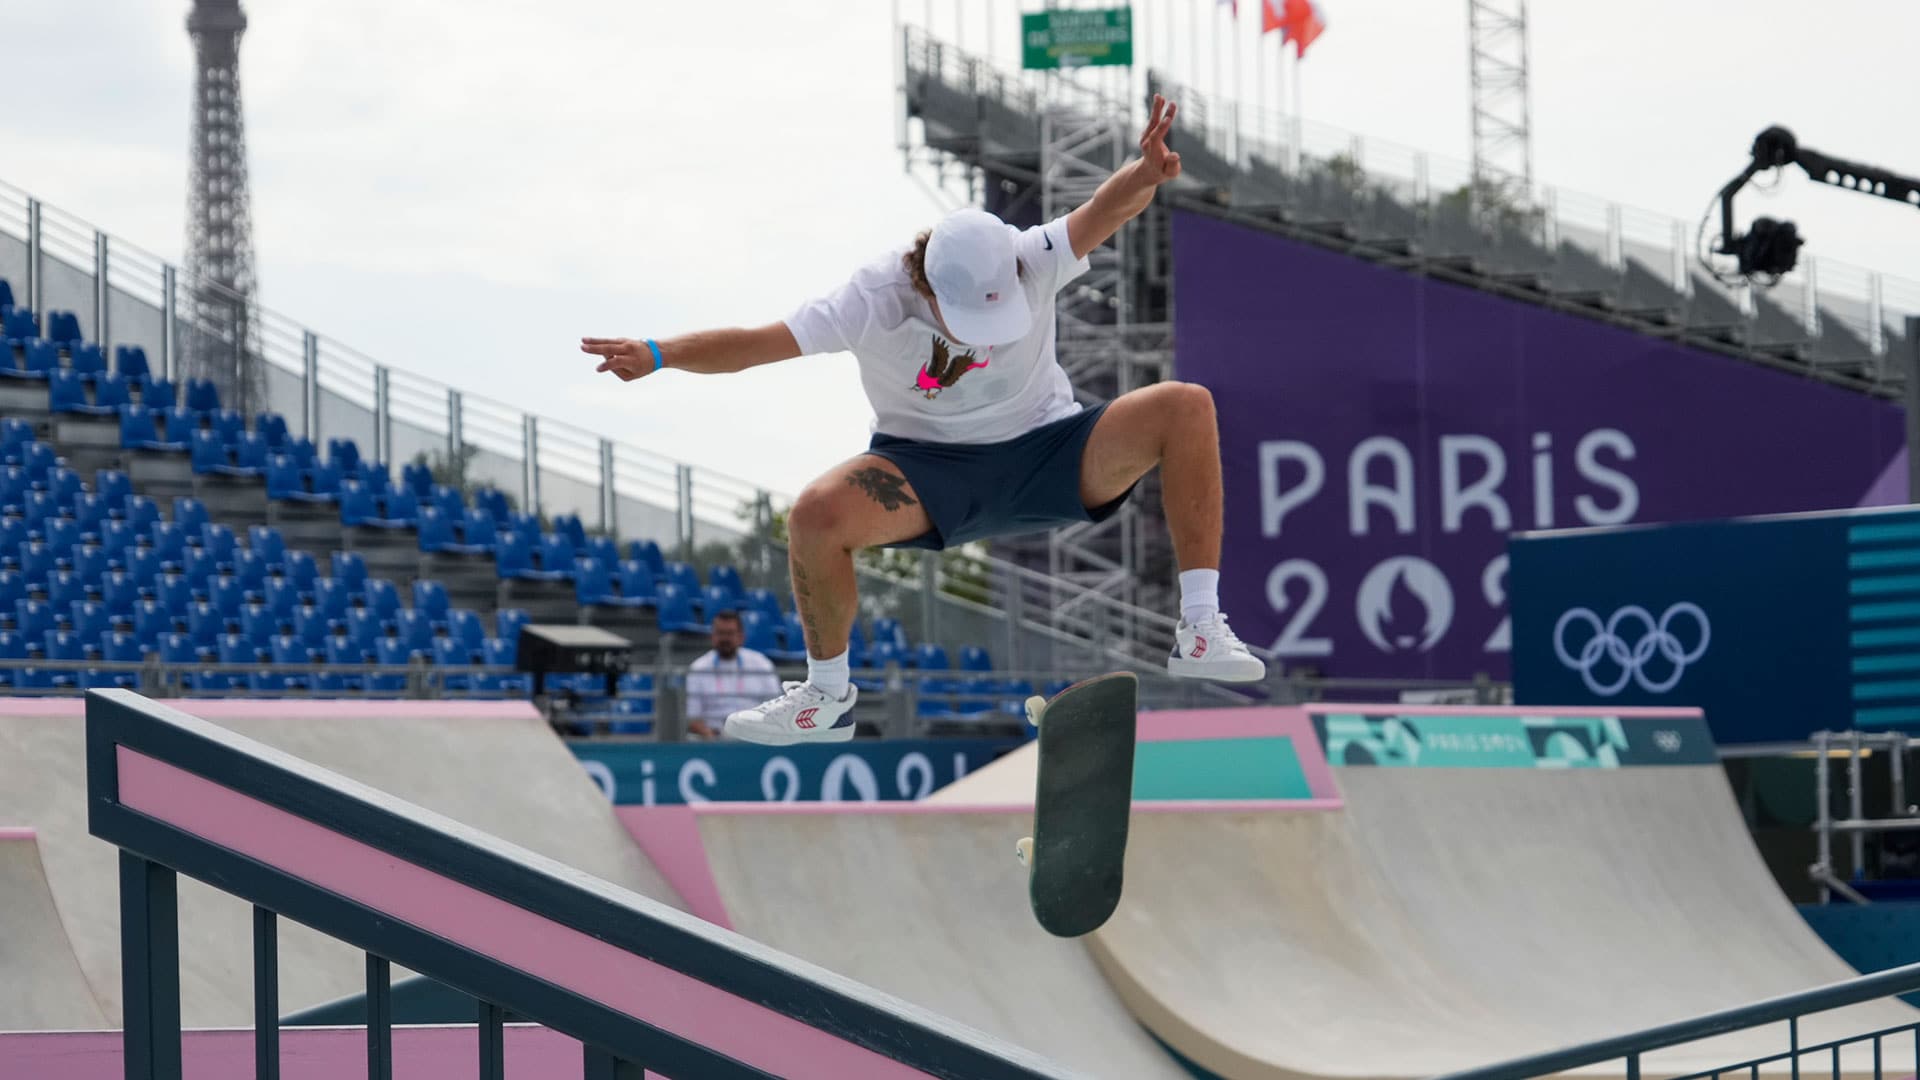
{"points": [[883, 487]]}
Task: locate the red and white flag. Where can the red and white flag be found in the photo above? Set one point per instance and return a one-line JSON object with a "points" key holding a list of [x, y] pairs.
{"points": [[1299, 21]]}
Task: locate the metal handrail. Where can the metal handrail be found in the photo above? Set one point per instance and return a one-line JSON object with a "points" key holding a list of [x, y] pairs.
{"points": [[1634, 1045]]}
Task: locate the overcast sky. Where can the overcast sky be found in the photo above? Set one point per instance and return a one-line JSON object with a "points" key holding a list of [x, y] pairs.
{"points": [[463, 190]]}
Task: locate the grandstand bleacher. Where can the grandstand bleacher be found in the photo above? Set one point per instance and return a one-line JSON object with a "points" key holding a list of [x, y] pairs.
{"points": [[147, 533]]}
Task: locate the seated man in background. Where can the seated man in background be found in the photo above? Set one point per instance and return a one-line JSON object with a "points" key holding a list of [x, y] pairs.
{"points": [[726, 678]]}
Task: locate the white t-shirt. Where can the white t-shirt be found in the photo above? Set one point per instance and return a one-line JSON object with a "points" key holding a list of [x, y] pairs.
{"points": [[922, 385], [717, 688]]}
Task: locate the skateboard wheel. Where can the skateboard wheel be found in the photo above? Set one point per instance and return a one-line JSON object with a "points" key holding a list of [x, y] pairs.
{"points": [[1023, 850], [1035, 706]]}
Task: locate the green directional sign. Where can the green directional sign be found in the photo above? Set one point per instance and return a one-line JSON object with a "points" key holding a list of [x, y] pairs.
{"points": [[1083, 38]]}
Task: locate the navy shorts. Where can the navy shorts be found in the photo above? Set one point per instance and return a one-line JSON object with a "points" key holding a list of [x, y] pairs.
{"points": [[971, 491]]}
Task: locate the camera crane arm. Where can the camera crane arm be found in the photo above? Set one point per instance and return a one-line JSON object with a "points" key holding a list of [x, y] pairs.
{"points": [[1772, 246]]}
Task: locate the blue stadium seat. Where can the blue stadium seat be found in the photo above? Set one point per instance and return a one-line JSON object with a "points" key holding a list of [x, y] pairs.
{"points": [[760, 632], [930, 657], [20, 323], [92, 512], [602, 548], [61, 534], [357, 506], [415, 629], [512, 559], [344, 453], [39, 459], [142, 513], [500, 653], [465, 627], [301, 451], [349, 569], [634, 716], [119, 592], [437, 534], [364, 627], [493, 501], [476, 531], [36, 561], [340, 651], [226, 424], [64, 484], [158, 394], [249, 456], [226, 594], [15, 432], [312, 626], [282, 596], [507, 623], [137, 430], [396, 506], [237, 649], [683, 575], [90, 364], [592, 585], [64, 589], [33, 619], [200, 566], [151, 621], [391, 652], [89, 619], [251, 569], [676, 612], [450, 653], [633, 581], [63, 329], [173, 592], [219, 541], [12, 647], [202, 395], [170, 542], [727, 577], [120, 647], [375, 475], [714, 600], [67, 393], [212, 457], [301, 570], [90, 563], [381, 598], [178, 425], [430, 600], [130, 363], [266, 542], [288, 482], [190, 514], [793, 646], [13, 589], [66, 646], [889, 630], [417, 478], [555, 555], [257, 624], [291, 649], [762, 600], [272, 427], [204, 625], [331, 599], [39, 359], [37, 507], [176, 648]]}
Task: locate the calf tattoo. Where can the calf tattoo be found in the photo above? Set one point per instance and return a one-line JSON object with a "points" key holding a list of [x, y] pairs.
{"points": [[882, 487]]}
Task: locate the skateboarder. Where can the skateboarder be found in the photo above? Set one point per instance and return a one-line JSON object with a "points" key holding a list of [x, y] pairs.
{"points": [[978, 432]]}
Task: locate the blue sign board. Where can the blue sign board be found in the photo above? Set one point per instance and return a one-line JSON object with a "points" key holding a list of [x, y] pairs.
{"points": [[1776, 626], [667, 774]]}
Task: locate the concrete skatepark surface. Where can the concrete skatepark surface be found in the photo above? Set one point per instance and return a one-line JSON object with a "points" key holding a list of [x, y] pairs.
{"points": [[41, 984], [493, 765]]}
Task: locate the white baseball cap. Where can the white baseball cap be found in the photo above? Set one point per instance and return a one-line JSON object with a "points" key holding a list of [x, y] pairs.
{"points": [[976, 277]]}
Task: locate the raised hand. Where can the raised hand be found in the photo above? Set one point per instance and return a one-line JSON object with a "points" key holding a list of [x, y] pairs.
{"points": [[625, 357], [1160, 163]]}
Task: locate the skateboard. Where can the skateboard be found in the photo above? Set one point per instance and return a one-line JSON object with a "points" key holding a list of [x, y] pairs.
{"points": [[1081, 800]]}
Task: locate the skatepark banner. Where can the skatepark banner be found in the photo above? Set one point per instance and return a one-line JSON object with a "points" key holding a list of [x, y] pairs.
{"points": [[667, 774], [1383, 433], [1462, 739], [1776, 626]]}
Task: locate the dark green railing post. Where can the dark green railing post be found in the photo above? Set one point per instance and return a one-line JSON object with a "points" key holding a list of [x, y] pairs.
{"points": [[379, 1019], [1633, 1067], [266, 996], [1793, 1043], [150, 968], [493, 1052], [600, 1065]]}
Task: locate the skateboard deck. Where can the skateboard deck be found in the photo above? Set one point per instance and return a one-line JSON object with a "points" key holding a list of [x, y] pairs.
{"points": [[1081, 802]]}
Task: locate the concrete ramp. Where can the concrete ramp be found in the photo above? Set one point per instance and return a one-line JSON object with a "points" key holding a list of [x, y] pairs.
{"points": [[41, 984], [1453, 915], [494, 765]]}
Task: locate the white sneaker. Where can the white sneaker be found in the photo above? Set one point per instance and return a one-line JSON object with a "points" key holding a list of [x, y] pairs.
{"points": [[804, 714], [1210, 650]]}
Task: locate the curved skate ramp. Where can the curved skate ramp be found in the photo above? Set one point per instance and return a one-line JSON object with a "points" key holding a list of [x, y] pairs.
{"points": [[493, 765], [41, 984], [1455, 916]]}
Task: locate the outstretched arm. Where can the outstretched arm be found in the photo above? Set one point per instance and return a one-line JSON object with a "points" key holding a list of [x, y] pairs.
{"points": [[1128, 191], [707, 352]]}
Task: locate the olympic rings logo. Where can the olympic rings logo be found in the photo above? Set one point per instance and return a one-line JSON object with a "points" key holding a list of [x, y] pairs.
{"points": [[1609, 646]]}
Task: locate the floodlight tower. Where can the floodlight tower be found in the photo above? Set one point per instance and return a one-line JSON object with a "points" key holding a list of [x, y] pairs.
{"points": [[223, 339], [1502, 134]]}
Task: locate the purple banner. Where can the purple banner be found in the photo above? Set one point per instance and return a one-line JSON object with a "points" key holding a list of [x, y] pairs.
{"points": [[1382, 433]]}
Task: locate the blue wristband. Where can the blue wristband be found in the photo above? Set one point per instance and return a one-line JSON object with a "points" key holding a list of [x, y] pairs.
{"points": [[658, 360]]}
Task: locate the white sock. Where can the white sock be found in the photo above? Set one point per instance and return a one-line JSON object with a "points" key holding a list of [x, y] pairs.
{"points": [[1199, 595], [829, 676]]}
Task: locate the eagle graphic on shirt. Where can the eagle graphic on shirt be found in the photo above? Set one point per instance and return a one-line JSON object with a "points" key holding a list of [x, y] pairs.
{"points": [[943, 369]]}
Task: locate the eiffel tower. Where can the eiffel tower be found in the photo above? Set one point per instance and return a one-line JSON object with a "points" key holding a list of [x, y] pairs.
{"points": [[221, 339]]}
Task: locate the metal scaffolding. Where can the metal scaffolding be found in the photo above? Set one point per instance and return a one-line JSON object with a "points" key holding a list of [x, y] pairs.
{"points": [[1502, 133]]}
